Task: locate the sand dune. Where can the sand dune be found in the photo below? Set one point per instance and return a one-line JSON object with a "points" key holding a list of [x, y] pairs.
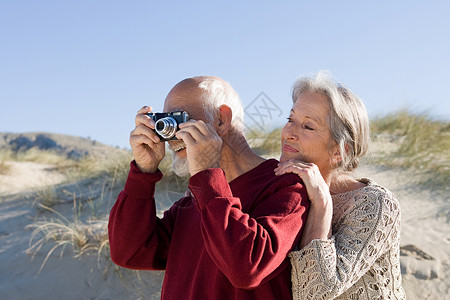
{"points": [[25, 176], [425, 252]]}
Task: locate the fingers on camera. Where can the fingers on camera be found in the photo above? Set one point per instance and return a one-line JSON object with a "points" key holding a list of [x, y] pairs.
{"points": [[144, 119], [143, 130], [142, 140]]}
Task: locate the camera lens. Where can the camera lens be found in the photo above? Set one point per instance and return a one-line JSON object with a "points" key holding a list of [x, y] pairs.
{"points": [[159, 126], [166, 127]]}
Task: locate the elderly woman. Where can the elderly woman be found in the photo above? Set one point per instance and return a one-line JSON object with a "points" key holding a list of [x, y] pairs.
{"points": [[350, 245]]}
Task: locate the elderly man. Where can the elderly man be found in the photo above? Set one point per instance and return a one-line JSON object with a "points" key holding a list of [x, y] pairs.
{"points": [[226, 239]]}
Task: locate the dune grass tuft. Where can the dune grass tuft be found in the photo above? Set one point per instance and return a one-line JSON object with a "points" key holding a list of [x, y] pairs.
{"points": [[423, 145], [86, 230], [80, 236], [46, 196]]}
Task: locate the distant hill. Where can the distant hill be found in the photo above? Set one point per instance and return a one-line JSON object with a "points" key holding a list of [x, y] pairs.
{"points": [[72, 147]]}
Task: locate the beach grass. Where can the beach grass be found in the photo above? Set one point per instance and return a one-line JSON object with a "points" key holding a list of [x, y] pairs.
{"points": [[420, 143], [85, 230], [46, 196], [61, 232]]}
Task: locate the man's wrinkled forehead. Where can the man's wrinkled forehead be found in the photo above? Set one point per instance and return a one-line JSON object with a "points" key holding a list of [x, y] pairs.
{"points": [[186, 99]]}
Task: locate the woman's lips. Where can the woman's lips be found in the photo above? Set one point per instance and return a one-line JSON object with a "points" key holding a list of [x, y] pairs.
{"points": [[287, 148]]}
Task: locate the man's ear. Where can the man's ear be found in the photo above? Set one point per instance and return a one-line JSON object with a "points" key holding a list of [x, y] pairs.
{"points": [[224, 119]]}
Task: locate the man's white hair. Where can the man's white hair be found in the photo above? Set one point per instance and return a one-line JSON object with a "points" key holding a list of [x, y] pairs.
{"points": [[217, 92]]}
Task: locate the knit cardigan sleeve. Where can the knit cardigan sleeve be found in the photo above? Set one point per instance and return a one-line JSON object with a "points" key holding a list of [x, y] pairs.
{"points": [[325, 269]]}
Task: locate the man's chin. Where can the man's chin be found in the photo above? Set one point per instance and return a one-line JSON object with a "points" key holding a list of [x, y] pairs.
{"points": [[180, 164]]}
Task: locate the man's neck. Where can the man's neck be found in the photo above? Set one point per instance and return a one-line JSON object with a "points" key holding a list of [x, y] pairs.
{"points": [[238, 158]]}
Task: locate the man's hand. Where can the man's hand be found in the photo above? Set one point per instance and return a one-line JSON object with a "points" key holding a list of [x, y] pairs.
{"points": [[203, 145], [148, 150]]}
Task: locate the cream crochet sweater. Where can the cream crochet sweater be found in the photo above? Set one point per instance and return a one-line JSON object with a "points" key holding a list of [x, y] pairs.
{"points": [[361, 260]]}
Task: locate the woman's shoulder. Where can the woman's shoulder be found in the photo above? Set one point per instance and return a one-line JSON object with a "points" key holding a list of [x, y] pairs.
{"points": [[377, 194], [372, 208], [379, 191], [371, 196]]}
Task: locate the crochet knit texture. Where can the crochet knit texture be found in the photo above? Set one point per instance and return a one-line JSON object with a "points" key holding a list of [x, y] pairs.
{"points": [[361, 260]]}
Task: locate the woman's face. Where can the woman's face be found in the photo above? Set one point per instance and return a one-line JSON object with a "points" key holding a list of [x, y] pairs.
{"points": [[306, 135]]}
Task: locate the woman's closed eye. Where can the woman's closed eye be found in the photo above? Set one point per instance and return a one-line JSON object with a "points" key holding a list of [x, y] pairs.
{"points": [[308, 127]]}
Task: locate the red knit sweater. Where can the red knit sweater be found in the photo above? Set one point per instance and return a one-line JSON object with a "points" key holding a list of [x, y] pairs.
{"points": [[228, 241]]}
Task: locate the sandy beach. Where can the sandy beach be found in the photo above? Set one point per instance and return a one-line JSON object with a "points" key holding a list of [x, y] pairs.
{"points": [[425, 252]]}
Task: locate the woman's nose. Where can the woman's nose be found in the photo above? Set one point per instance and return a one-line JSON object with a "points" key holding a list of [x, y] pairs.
{"points": [[290, 133]]}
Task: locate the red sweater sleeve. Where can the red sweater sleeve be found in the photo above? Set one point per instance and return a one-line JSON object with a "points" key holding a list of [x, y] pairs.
{"points": [[137, 238], [249, 248]]}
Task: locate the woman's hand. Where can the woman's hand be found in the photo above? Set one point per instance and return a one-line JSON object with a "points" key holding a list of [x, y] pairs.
{"points": [[318, 223], [317, 188], [148, 149]]}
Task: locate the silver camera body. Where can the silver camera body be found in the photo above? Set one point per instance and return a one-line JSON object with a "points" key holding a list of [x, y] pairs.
{"points": [[166, 124]]}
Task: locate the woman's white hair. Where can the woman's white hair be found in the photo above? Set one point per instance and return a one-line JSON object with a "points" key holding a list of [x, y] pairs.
{"points": [[217, 92], [348, 120]]}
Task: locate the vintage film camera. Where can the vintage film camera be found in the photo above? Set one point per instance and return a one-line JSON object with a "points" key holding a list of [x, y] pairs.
{"points": [[166, 124]]}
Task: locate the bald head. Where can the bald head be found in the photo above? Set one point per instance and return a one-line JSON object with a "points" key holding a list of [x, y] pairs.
{"points": [[195, 82], [188, 96], [201, 97]]}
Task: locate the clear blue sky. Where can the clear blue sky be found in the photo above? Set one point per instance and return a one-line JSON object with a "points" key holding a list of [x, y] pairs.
{"points": [[85, 67]]}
